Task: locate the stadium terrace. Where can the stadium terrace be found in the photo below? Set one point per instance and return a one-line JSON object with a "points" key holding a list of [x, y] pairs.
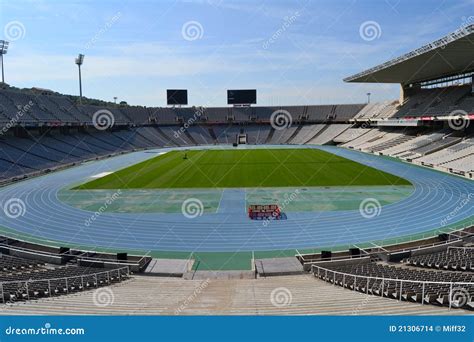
{"points": [[244, 209]]}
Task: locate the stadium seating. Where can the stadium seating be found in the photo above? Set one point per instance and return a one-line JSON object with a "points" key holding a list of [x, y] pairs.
{"points": [[304, 295], [24, 279], [350, 134], [306, 133], [328, 134], [281, 136], [456, 259], [257, 134], [30, 152], [435, 102], [370, 135], [465, 164], [390, 140], [377, 110], [33, 153], [451, 153], [408, 284], [43, 131]]}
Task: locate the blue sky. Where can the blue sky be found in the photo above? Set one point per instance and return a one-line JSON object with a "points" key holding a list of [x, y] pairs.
{"points": [[292, 52]]}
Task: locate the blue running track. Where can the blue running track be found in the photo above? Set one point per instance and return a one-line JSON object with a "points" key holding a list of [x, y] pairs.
{"points": [[436, 197]]}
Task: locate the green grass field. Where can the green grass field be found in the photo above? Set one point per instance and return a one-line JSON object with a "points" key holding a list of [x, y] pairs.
{"points": [[244, 169]]}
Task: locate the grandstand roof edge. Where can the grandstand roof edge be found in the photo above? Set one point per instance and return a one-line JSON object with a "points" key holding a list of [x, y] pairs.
{"points": [[389, 72]]}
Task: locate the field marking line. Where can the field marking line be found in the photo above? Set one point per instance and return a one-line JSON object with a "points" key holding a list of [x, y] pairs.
{"points": [[219, 205], [102, 174]]}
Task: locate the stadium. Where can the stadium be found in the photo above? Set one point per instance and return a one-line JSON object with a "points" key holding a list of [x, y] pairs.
{"points": [[343, 209]]}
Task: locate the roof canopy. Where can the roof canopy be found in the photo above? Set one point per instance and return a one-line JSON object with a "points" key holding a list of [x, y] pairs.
{"points": [[448, 56]]}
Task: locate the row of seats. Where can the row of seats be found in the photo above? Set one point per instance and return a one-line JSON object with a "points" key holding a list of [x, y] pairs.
{"points": [[449, 154], [48, 150], [422, 286], [33, 153], [24, 279], [328, 134], [33, 106], [422, 103], [10, 265], [145, 295], [378, 110], [448, 150], [437, 102], [334, 113], [458, 259]]}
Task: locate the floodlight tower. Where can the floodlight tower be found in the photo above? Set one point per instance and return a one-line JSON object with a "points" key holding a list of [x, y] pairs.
{"points": [[79, 61], [3, 51]]}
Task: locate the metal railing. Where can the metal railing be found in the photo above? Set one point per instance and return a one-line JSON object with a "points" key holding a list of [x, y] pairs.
{"points": [[393, 242], [24, 286], [37, 252], [461, 247], [426, 235], [455, 288]]}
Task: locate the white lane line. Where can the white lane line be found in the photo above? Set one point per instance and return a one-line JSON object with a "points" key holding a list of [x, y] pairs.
{"points": [[100, 175]]}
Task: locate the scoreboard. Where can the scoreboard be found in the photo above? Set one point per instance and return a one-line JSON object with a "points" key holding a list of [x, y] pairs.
{"points": [[241, 96], [264, 212], [176, 97]]}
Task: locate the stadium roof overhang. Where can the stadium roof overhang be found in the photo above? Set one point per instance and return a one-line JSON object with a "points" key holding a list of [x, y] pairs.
{"points": [[449, 56]]}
